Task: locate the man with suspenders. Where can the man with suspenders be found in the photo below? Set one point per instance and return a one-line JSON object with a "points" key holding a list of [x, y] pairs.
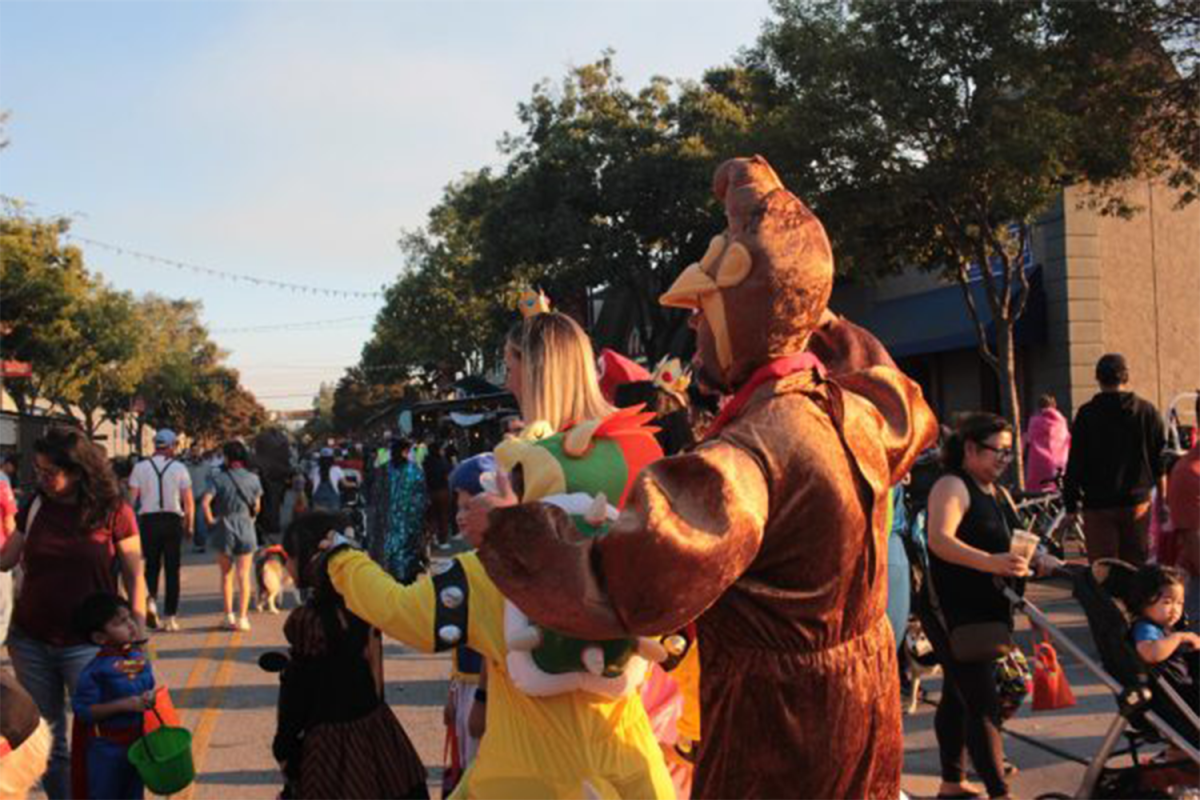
{"points": [[162, 494]]}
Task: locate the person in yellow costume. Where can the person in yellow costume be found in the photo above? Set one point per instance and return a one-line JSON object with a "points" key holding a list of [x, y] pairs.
{"points": [[567, 745]]}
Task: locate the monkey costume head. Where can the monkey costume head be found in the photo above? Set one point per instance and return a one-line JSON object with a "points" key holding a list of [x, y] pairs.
{"points": [[762, 285]]}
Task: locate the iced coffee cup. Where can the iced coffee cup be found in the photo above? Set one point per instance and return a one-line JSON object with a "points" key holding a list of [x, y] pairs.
{"points": [[1024, 544]]}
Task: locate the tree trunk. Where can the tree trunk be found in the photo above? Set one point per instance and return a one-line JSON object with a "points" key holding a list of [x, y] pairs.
{"points": [[1010, 397], [137, 442], [89, 423]]}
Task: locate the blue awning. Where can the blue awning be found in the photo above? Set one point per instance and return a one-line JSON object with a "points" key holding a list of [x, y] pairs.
{"points": [[938, 320]]}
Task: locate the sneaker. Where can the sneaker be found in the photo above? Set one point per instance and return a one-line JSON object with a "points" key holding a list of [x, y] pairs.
{"points": [[171, 624], [151, 613], [230, 623], [243, 624]]}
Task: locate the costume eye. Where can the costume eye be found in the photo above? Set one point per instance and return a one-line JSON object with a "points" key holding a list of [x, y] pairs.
{"points": [[715, 248], [735, 266]]}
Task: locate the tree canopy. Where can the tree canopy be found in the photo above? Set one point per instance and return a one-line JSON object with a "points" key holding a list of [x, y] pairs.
{"points": [[928, 135], [101, 354], [604, 189], [935, 134]]}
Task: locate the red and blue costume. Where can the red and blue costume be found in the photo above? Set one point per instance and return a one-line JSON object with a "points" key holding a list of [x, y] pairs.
{"points": [[99, 748]]}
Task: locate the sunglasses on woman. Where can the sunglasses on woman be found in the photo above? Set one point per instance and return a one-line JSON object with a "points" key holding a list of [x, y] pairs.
{"points": [[47, 473], [1004, 453]]}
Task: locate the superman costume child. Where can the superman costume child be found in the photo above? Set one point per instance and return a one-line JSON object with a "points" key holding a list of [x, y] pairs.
{"points": [[115, 703], [100, 765]]}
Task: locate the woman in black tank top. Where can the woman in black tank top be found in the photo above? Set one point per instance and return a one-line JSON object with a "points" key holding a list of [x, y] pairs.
{"points": [[970, 528]]}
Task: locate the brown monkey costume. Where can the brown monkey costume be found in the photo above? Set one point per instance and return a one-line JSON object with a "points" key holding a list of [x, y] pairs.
{"points": [[771, 534]]}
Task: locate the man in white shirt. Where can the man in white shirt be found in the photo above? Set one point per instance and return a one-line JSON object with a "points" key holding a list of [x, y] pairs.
{"points": [[161, 489]]}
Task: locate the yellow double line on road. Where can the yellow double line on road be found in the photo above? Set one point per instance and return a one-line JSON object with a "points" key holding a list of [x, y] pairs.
{"points": [[202, 729]]}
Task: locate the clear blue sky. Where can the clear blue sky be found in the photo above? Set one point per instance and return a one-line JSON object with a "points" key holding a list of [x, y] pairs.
{"points": [[295, 140]]}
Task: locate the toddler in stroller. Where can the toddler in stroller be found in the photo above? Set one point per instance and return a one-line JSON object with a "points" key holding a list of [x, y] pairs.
{"points": [[1156, 603], [1150, 711]]}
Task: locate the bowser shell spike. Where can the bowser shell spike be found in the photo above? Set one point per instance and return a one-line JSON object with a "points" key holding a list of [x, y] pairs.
{"points": [[525, 639], [651, 649], [593, 660], [598, 513]]}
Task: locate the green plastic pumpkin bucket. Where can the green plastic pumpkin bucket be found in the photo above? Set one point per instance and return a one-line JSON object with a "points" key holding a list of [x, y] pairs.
{"points": [[163, 758]]}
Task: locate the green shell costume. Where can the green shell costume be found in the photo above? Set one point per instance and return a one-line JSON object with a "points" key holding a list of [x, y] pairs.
{"points": [[585, 470]]}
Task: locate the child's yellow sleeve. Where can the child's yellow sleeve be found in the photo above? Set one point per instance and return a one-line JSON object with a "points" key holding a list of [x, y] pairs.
{"points": [[418, 614], [404, 613]]}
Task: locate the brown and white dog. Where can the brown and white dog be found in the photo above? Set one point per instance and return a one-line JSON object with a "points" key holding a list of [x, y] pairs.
{"points": [[270, 566], [918, 660]]}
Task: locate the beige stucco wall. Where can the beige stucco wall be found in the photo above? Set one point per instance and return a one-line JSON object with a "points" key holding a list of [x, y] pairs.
{"points": [[1150, 291], [117, 440], [1112, 285]]}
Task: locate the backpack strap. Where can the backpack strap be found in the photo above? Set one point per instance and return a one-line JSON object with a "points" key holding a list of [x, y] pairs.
{"points": [[34, 507], [31, 515], [237, 488]]}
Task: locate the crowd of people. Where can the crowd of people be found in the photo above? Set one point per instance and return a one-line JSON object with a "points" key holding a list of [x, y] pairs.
{"points": [[658, 595]]}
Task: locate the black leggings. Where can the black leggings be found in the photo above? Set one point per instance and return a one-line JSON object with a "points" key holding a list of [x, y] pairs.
{"points": [[162, 539], [968, 716]]}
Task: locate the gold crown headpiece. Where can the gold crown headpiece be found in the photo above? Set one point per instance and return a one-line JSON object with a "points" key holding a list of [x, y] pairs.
{"points": [[531, 303], [671, 377]]}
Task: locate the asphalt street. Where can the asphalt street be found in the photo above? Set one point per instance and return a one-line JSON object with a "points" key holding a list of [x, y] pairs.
{"points": [[228, 702]]}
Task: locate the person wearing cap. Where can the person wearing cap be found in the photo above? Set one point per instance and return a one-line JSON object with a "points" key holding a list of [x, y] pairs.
{"points": [[1116, 461], [161, 490], [772, 534]]}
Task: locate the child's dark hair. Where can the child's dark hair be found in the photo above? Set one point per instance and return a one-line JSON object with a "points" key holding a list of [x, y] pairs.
{"points": [[302, 541], [234, 452], [1149, 583], [96, 611]]}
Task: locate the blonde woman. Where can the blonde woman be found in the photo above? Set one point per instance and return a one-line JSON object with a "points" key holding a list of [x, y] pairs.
{"points": [[565, 745], [552, 373]]}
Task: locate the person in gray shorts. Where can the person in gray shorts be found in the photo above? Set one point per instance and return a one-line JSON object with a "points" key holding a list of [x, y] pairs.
{"points": [[232, 500]]}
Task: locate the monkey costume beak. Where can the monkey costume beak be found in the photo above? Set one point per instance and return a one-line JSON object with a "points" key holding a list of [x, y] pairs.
{"points": [[688, 288]]}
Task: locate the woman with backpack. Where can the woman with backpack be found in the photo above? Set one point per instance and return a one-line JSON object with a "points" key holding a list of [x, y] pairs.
{"points": [[231, 502]]}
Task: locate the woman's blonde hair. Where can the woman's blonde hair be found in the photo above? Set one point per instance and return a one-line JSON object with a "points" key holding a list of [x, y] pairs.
{"points": [[558, 372]]}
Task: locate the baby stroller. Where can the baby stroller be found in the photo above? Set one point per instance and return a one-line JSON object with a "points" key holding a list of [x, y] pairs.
{"points": [[1143, 699]]}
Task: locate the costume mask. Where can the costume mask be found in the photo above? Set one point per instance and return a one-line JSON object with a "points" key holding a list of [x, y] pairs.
{"points": [[765, 280]]}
